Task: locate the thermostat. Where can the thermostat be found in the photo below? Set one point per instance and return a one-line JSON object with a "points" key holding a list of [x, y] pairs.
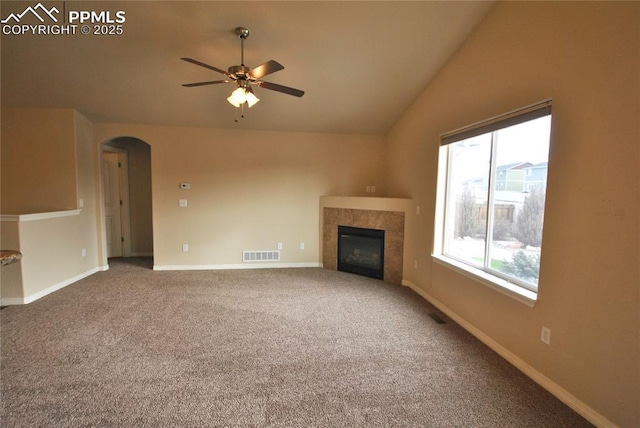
{"points": [[185, 186]]}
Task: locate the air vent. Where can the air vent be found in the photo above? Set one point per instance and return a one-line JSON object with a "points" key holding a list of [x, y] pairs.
{"points": [[260, 256], [436, 318]]}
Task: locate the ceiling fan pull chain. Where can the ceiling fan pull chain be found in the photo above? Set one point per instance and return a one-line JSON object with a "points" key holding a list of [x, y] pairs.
{"points": [[241, 108]]}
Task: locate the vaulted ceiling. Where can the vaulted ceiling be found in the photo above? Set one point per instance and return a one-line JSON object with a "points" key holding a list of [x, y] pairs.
{"points": [[361, 64]]}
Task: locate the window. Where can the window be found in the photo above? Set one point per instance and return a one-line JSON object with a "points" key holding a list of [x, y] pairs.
{"points": [[490, 203]]}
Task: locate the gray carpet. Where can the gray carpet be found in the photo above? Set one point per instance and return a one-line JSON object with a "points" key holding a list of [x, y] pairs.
{"points": [[264, 348]]}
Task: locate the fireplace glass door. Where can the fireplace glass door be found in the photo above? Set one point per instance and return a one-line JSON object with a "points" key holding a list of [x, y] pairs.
{"points": [[361, 251]]}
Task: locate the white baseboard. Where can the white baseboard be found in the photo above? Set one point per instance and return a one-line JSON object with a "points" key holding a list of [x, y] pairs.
{"points": [[35, 296], [256, 265], [562, 394]]}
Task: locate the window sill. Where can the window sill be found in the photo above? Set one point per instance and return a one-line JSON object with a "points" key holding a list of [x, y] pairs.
{"points": [[507, 288]]}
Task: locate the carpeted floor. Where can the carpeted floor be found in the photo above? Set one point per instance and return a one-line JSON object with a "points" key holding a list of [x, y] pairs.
{"points": [[263, 348]]}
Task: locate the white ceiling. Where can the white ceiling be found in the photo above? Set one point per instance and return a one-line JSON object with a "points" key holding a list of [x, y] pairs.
{"points": [[361, 64]]}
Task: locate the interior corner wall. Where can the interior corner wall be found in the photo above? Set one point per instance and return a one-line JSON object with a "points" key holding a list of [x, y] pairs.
{"points": [[88, 225], [586, 57], [249, 190], [140, 199], [38, 160]]}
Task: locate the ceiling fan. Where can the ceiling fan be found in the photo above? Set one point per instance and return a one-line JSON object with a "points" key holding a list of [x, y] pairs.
{"points": [[244, 77]]}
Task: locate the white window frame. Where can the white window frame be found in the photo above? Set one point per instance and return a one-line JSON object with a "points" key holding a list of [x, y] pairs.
{"points": [[502, 283]]}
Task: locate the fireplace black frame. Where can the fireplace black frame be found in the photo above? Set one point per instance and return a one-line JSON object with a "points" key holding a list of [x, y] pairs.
{"points": [[359, 232]]}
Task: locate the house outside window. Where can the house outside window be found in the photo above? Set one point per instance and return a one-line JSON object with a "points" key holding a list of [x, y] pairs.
{"points": [[491, 196]]}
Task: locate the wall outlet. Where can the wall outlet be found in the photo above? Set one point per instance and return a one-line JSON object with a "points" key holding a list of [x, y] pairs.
{"points": [[302, 245], [279, 245], [545, 335], [84, 252], [418, 209], [185, 247], [415, 264], [80, 203]]}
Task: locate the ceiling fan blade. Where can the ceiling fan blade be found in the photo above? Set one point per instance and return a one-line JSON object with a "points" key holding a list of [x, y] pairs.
{"points": [[279, 88], [213, 82], [202, 64], [266, 68]]}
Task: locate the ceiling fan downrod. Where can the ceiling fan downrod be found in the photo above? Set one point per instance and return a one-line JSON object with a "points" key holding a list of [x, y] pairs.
{"points": [[243, 33]]}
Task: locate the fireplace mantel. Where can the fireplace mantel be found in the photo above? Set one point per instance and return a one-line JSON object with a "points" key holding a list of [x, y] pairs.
{"points": [[393, 215]]}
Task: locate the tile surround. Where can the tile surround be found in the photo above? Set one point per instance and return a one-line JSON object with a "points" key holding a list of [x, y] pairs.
{"points": [[392, 222]]}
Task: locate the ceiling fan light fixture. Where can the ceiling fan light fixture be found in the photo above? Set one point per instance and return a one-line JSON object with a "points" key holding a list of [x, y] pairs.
{"points": [[241, 96], [251, 98], [237, 97]]}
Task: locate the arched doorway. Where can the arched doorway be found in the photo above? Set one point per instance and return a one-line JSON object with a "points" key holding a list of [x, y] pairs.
{"points": [[126, 183]]}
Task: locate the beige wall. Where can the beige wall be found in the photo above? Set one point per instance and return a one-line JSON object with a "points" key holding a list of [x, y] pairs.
{"points": [[38, 160], [586, 56], [140, 199], [88, 226], [51, 243], [52, 254], [249, 189]]}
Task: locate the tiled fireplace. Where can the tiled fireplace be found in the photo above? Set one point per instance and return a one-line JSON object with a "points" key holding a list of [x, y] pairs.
{"points": [[391, 222]]}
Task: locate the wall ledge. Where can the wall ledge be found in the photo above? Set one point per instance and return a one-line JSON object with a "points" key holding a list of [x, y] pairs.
{"points": [[366, 202], [383, 198], [562, 394], [39, 216]]}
